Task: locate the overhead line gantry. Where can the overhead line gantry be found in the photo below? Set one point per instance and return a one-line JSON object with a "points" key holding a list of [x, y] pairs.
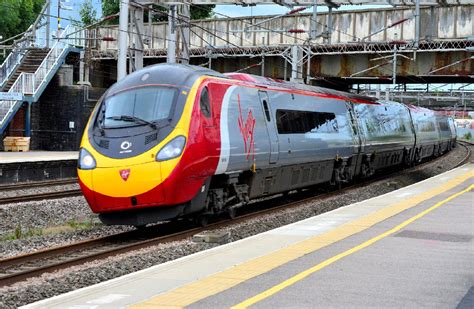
{"points": [[179, 18]]}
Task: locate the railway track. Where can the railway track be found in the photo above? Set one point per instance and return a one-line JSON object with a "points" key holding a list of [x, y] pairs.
{"points": [[467, 145], [36, 184], [19, 268], [40, 196]]}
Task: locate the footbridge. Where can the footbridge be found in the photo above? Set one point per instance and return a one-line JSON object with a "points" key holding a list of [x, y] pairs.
{"points": [[431, 43], [34, 60]]}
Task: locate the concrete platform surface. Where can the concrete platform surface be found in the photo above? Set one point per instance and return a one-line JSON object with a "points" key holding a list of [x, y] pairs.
{"points": [[411, 247], [37, 156]]}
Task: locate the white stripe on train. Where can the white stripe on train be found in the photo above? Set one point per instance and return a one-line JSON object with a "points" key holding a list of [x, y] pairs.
{"points": [[225, 143]]}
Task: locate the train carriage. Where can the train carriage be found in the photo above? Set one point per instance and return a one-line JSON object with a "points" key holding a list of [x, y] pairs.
{"points": [[426, 132], [445, 135], [452, 127], [173, 141], [387, 132]]}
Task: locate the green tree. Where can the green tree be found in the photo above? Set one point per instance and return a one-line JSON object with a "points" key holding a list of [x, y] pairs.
{"points": [[202, 11], [110, 7], [88, 13], [17, 15]]}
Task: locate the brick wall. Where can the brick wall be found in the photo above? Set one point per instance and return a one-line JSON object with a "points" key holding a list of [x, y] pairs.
{"points": [[50, 117]]}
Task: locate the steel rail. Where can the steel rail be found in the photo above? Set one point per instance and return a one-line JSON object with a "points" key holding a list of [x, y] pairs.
{"points": [[40, 196], [18, 268], [467, 145], [35, 184]]}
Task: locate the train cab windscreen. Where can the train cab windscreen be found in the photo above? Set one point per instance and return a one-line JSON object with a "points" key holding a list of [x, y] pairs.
{"points": [[141, 106]]}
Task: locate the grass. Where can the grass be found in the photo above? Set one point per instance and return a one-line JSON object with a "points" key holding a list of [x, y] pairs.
{"points": [[70, 226]]}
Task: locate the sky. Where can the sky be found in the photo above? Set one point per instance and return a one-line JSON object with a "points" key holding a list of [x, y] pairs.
{"points": [[228, 10]]}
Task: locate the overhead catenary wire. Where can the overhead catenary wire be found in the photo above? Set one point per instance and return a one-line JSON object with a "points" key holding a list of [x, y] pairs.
{"points": [[328, 26], [190, 24], [210, 32]]}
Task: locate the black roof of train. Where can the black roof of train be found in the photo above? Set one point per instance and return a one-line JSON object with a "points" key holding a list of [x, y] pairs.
{"points": [[186, 75], [164, 73], [299, 86]]}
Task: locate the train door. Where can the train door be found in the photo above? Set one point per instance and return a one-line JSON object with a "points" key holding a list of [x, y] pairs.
{"points": [[358, 135], [271, 128]]}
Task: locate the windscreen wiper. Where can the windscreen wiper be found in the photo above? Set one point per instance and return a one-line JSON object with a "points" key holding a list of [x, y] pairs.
{"points": [[101, 129], [135, 119]]}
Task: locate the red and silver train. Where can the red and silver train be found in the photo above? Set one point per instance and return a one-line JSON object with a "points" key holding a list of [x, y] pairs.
{"points": [[173, 141]]}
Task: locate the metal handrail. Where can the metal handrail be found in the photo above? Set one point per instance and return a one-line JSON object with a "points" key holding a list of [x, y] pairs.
{"points": [[30, 83], [31, 37], [13, 60]]}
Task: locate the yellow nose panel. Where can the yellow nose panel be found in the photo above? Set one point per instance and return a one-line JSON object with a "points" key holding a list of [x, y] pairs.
{"points": [[126, 181]]}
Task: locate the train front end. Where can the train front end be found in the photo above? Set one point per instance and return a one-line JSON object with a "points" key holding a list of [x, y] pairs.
{"points": [[130, 164]]}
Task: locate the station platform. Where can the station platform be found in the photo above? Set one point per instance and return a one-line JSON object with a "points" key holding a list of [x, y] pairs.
{"points": [[412, 247], [16, 167], [37, 156]]}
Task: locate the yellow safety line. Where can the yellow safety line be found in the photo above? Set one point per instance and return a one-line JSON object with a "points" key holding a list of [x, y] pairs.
{"points": [[219, 282], [277, 288]]}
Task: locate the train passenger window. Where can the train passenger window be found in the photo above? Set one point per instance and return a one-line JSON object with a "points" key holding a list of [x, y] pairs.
{"points": [[444, 126], [425, 126], [353, 122], [267, 112], [292, 121], [205, 103]]}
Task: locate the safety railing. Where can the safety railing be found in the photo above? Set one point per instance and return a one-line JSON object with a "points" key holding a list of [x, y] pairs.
{"points": [[7, 106], [31, 84], [11, 63], [37, 35], [69, 37]]}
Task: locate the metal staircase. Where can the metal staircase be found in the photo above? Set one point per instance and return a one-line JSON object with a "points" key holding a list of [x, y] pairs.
{"points": [[14, 59], [30, 63], [28, 77]]}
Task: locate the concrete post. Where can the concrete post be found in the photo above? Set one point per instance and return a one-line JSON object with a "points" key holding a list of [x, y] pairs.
{"points": [[81, 66], [123, 40], [463, 102], [417, 23], [308, 65], [394, 68], [296, 68], [294, 62], [329, 26], [186, 33], [48, 23], [138, 31], [149, 39], [314, 26], [28, 119], [171, 55]]}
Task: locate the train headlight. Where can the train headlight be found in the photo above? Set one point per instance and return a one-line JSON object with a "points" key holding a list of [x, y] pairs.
{"points": [[86, 160], [173, 149]]}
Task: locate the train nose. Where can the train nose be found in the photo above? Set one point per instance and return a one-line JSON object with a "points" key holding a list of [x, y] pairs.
{"points": [[127, 181], [122, 187]]}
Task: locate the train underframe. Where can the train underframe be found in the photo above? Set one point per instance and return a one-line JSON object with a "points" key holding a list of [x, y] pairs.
{"points": [[224, 193]]}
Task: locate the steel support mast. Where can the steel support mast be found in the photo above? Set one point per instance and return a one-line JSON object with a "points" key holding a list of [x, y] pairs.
{"points": [[123, 40]]}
